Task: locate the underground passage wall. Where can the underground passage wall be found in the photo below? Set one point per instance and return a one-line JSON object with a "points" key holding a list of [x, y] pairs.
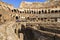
{"points": [[33, 34]]}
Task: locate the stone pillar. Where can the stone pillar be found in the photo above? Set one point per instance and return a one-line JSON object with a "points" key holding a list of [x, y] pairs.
{"points": [[17, 28], [21, 36], [36, 19]]}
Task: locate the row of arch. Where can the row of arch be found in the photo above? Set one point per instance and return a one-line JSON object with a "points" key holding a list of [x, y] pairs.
{"points": [[43, 19], [36, 12]]}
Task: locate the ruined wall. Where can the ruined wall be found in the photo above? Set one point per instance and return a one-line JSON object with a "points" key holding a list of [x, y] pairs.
{"points": [[6, 6]]}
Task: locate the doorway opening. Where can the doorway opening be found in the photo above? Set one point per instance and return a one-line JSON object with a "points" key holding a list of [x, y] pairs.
{"points": [[16, 17]]}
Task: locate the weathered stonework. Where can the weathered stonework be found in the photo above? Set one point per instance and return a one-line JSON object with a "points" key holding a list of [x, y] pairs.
{"points": [[32, 21]]}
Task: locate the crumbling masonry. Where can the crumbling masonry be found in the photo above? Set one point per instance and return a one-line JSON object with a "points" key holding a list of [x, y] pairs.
{"points": [[32, 21]]}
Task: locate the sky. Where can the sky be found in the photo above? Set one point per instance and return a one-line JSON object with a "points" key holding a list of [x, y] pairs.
{"points": [[16, 3]]}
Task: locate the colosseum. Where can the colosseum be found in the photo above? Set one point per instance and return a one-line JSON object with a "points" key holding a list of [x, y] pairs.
{"points": [[31, 21]]}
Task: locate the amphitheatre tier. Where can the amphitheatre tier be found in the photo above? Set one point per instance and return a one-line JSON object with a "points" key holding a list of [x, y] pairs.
{"points": [[32, 21]]}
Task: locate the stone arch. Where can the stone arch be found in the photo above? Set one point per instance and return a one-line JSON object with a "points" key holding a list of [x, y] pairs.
{"points": [[42, 11], [45, 11], [22, 30], [56, 11], [20, 11], [39, 12], [32, 11], [14, 10], [27, 32], [17, 17], [52, 11], [41, 19]]}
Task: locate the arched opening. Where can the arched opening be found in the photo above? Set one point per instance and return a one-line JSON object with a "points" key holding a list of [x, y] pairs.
{"points": [[16, 17], [55, 19], [38, 18], [52, 11], [39, 12], [41, 19], [56, 11], [32, 11], [42, 11], [0, 15], [21, 31], [20, 12], [27, 32], [45, 11], [49, 11], [48, 19], [14, 10]]}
